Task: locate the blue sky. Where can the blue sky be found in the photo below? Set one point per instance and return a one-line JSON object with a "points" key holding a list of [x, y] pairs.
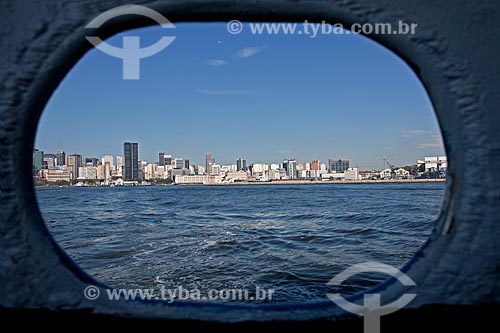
{"points": [[261, 97]]}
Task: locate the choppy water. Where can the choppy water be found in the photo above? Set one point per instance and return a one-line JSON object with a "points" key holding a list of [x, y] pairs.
{"points": [[292, 239]]}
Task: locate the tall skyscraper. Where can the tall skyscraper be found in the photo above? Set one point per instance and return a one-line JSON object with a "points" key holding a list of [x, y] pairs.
{"points": [[161, 158], [37, 160], [108, 159], [209, 159], [338, 164], [107, 170], [131, 153], [75, 161], [241, 164], [61, 157]]}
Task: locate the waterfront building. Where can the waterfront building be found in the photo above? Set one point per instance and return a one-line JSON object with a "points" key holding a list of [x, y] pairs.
{"points": [[54, 175], [352, 174], [198, 179], [338, 165], [369, 174], [232, 176], [402, 174], [386, 174], [333, 176], [131, 153]]}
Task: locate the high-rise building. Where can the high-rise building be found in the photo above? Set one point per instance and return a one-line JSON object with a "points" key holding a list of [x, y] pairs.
{"points": [[92, 160], [75, 161], [338, 164], [161, 158], [119, 161], [49, 155], [290, 167], [108, 159], [181, 163], [315, 165], [37, 160], [241, 164], [131, 153], [107, 170], [119, 165], [61, 157], [168, 159], [209, 159]]}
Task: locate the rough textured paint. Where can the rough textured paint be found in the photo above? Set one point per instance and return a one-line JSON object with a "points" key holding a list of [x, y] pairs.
{"points": [[455, 53]]}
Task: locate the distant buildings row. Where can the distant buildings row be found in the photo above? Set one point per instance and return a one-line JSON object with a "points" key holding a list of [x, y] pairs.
{"points": [[121, 169]]}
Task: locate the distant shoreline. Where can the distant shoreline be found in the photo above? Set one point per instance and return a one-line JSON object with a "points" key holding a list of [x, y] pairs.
{"points": [[278, 182], [324, 182]]}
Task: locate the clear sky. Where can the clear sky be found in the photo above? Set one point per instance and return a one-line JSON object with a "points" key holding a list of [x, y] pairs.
{"points": [[261, 97]]}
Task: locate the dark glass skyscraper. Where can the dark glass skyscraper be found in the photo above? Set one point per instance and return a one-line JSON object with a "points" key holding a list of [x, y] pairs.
{"points": [[92, 160], [161, 159], [131, 153], [241, 164], [37, 160], [61, 158]]}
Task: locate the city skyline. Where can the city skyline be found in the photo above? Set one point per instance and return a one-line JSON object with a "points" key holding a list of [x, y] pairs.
{"points": [[129, 168], [130, 156], [287, 96]]}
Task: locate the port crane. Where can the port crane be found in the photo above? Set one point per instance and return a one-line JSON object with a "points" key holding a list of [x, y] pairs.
{"points": [[388, 164]]}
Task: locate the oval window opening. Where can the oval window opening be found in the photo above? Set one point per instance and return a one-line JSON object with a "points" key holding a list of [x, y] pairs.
{"points": [[240, 167]]}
